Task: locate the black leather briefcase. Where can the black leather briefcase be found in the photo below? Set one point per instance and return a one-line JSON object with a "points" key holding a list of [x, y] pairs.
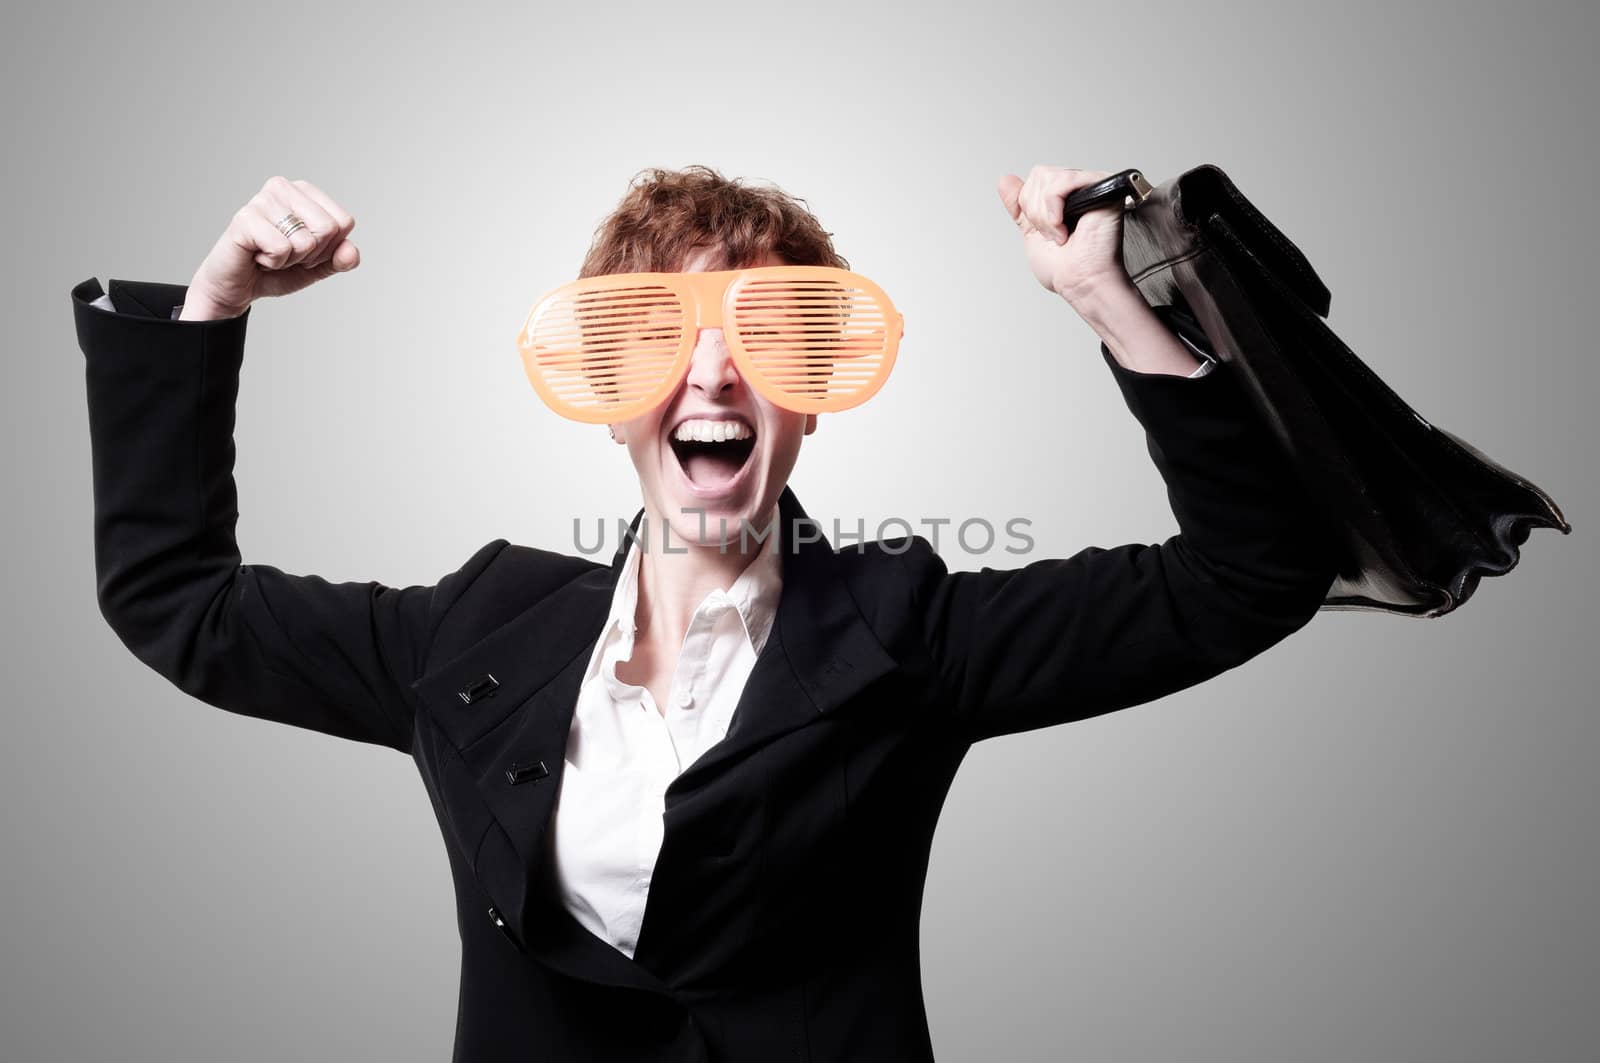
{"points": [[1423, 514]]}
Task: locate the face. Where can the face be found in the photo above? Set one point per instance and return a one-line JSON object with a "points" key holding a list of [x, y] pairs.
{"points": [[714, 446]]}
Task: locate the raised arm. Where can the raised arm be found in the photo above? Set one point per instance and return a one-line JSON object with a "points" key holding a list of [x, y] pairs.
{"points": [[1067, 638], [1063, 639], [252, 639]]}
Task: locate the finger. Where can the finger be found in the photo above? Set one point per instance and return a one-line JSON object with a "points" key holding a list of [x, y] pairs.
{"points": [[1032, 204], [252, 232], [1042, 207], [1054, 191], [1008, 188], [274, 210], [340, 216], [323, 227], [319, 271], [311, 240], [345, 257], [338, 254]]}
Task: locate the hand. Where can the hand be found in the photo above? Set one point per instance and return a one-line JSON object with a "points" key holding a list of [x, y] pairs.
{"points": [[1077, 268], [253, 258]]}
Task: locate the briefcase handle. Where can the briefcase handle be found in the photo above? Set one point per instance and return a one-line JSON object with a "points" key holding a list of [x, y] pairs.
{"points": [[1126, 189]]}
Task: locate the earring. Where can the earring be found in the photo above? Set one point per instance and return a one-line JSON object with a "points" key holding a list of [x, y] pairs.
{"points": [[613, 430]]}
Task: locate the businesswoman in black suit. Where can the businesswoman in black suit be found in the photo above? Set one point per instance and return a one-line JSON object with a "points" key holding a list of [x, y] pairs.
{"points": [[687, 797]]}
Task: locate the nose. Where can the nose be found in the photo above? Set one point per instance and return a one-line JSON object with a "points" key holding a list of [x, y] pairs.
{"points": [[711, 368]]}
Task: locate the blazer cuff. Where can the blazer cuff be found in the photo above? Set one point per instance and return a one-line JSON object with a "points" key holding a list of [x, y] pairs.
{"points": [[1183, 325], [142, 315]]}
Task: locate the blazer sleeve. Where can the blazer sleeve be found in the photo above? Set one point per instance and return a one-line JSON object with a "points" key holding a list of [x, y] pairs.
{"points": [[1107, 628], [252, 639]]}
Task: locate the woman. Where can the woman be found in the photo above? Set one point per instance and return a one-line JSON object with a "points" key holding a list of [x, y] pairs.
{"points": [[687, 797]]}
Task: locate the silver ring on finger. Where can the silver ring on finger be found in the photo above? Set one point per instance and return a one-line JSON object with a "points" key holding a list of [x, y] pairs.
{"points": [[290, 223]]}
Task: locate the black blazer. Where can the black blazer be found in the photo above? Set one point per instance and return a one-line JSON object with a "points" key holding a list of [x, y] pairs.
{"points": [[782, 920]]}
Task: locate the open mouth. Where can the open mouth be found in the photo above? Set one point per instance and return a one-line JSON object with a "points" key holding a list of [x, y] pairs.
{"points": [[713, 453]]}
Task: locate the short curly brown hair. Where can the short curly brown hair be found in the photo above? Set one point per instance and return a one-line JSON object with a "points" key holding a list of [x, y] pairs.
{"points": [[667, 215]]}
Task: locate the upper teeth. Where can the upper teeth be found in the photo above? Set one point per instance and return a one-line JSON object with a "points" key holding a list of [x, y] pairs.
{"points": [[703, 431]]}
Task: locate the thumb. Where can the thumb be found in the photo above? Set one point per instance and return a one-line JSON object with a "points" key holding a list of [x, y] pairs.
{"points": [[345, 257], [1009, 188]]}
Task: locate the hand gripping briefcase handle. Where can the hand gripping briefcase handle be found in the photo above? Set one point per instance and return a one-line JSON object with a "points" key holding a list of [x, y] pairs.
{"points": [[1421, 513]]}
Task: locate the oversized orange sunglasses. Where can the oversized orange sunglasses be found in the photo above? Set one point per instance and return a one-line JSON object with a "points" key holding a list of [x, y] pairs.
{"points": [[813, 339]]}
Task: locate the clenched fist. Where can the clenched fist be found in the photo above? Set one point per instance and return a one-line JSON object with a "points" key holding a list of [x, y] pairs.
{"points": [[253, 258], [1078, 266]]}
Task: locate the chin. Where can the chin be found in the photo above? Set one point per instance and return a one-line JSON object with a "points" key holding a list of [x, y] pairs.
{"points": [[712, 521], [715, 474]]}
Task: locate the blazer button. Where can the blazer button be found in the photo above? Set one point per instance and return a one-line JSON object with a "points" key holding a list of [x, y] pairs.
{"points": [[494, 917], [482, 687], [520, 773]]}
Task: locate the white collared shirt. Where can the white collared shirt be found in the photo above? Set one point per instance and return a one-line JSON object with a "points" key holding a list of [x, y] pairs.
{"points": [[622, 752]]}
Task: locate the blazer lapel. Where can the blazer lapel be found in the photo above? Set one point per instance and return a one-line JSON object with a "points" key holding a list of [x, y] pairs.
{"points": [[820, 652], [513, 741], [512, 744]]}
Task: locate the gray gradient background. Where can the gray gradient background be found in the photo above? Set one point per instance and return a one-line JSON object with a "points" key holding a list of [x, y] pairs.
{"points": [[1376, 842]]}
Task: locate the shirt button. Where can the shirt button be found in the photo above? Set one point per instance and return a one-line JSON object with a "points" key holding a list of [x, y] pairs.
{"points": [[684, 699]]}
